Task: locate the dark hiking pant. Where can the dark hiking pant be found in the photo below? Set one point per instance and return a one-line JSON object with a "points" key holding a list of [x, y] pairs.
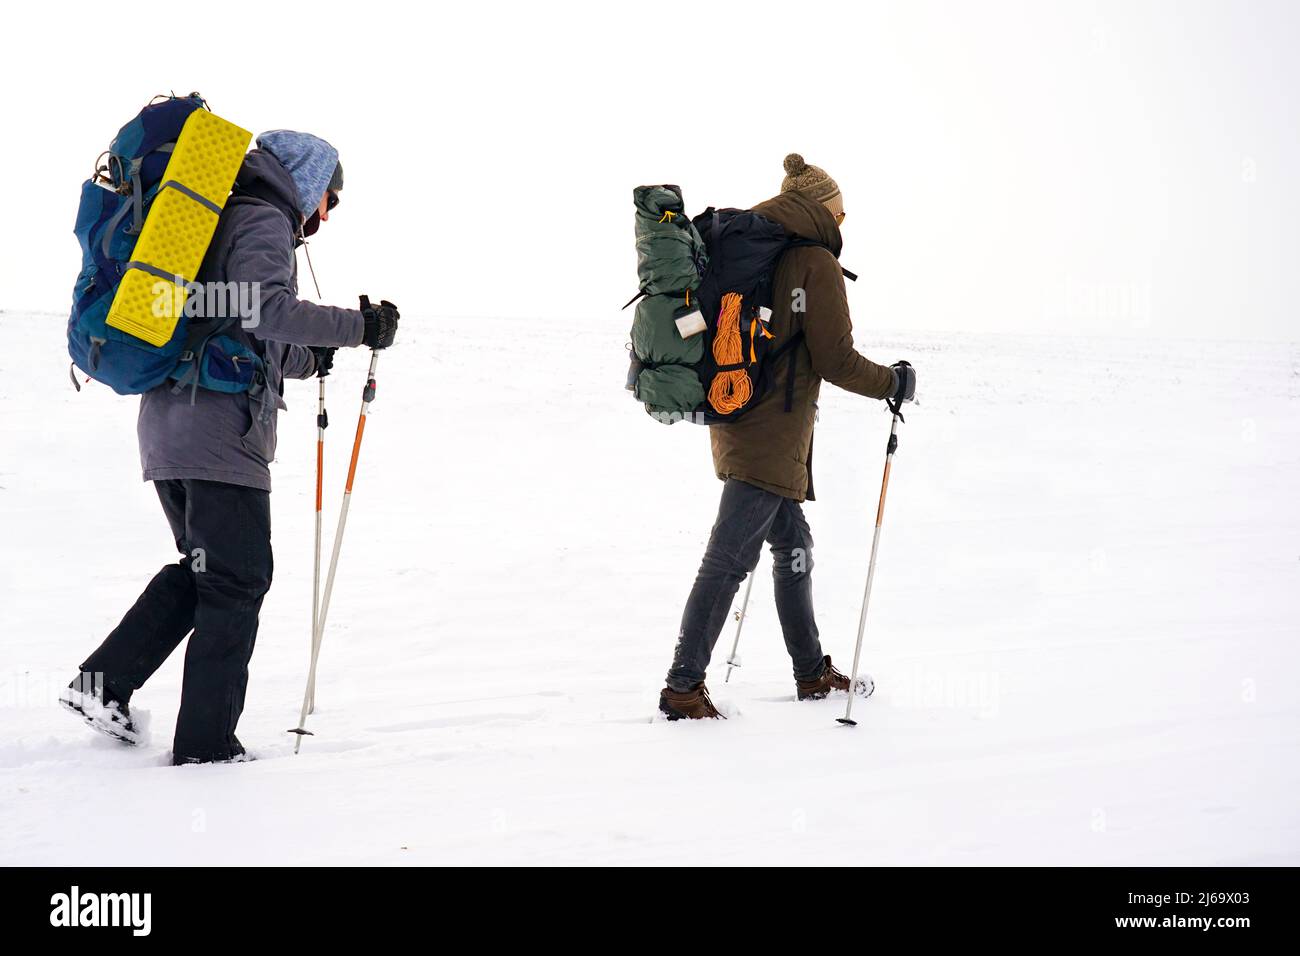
{"points": [[747, 517], [224, 534]]}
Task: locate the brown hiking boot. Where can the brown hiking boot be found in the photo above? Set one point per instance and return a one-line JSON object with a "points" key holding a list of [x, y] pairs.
{"points": [[692, 705], [830, 680]]}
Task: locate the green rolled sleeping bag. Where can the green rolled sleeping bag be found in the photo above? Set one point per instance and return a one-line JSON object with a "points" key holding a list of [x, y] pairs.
{"points": [[668, 382], [670, 260]]}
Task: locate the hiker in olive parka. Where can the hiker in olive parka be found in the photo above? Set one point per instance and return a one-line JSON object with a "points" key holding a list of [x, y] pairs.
{"points": [[765, 458]]}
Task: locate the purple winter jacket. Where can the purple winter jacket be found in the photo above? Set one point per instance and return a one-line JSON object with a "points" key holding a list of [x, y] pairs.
{"points": [[231, 438]]}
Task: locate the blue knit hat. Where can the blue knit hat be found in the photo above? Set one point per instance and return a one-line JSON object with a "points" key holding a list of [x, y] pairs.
{"points": [[310, 161]]}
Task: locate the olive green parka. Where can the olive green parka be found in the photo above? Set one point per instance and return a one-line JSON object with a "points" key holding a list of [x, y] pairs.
{"points": [[768, 446]]}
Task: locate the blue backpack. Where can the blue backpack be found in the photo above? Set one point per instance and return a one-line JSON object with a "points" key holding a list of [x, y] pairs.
{"points": [[114, 204]]}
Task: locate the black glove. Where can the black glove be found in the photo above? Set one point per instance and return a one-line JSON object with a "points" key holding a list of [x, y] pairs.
{"points": [[381, 323], [324, 358], [904, 383]]}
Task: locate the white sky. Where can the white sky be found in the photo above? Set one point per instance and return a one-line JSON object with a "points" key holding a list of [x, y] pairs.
{"points": [[1129, 168]]}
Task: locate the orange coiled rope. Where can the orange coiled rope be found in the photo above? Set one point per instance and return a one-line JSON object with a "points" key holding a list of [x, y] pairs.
{"points": [[730, 390]]}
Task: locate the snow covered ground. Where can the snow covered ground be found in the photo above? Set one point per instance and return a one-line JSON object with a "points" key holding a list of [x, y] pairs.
{"points": [[1084, 631]]}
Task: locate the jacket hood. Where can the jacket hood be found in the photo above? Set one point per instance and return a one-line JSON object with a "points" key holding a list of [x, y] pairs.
{"points": [[803, 217], [263, 177], [309, 160]]}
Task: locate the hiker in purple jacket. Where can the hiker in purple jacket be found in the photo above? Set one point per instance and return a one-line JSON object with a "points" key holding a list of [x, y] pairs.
{"points": [[208, 454]]}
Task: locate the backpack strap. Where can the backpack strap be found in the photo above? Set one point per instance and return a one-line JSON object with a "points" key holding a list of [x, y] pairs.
{"points": [[137, 198], [191, 194], [197, 337], [643, 294], [111, 228], [795, 243], [789, 347]]}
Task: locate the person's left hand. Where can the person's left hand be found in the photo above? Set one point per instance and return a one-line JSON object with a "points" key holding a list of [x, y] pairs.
{"points": [[324, 355]]}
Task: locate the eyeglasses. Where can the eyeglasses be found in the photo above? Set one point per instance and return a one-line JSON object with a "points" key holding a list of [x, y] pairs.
{"points": [[332, 200]]}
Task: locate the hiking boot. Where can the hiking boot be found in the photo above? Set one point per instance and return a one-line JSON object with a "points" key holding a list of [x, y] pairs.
{"points": [[99, 708], [832, 680], [692, 705]]}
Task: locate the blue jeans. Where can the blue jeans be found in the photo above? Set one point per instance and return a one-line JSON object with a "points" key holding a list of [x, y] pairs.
{"points": [[747, 517]]}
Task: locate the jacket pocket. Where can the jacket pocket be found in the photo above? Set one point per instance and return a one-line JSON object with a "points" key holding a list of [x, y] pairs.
{"points": [[259, 438]]}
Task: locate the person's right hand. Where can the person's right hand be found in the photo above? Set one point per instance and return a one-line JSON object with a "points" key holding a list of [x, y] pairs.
{"points": [[381, 325], [904, 383]]}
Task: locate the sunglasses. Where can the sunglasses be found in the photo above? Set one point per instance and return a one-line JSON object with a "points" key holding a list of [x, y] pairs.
{"points": [[839, 217], [332, 200]]}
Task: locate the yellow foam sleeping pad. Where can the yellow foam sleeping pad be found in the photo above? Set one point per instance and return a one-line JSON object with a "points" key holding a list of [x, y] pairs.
{"points": [[179, 227]]}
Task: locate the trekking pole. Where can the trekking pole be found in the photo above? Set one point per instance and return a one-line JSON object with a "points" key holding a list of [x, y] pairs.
{"points": [[322, 422], [732, 659], [367, 395], [871, 569]]}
